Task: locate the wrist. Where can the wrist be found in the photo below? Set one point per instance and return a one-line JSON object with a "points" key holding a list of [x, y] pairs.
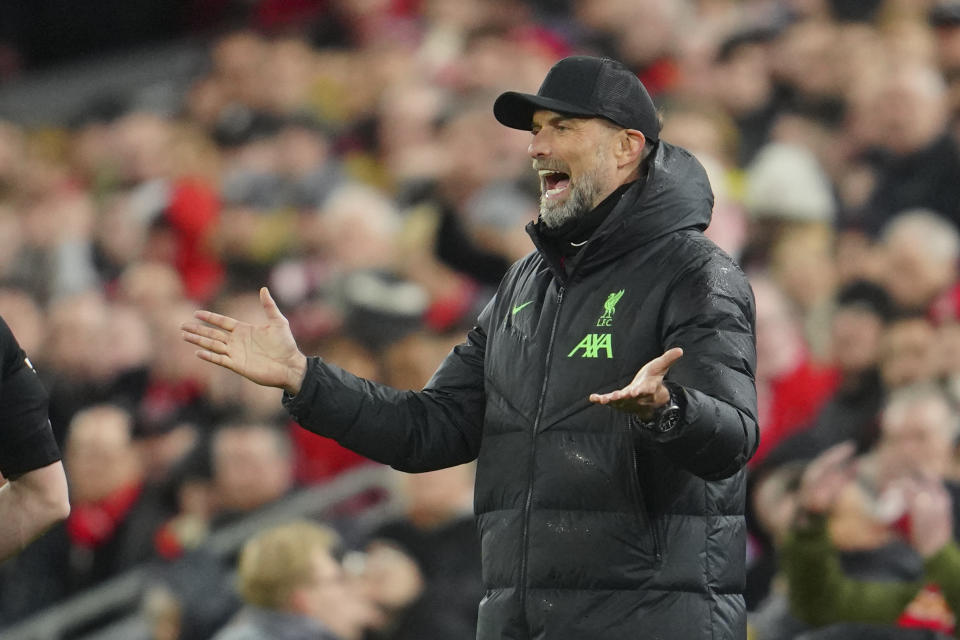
{"points": [[296, 371], [663, 418], [646, 414]]}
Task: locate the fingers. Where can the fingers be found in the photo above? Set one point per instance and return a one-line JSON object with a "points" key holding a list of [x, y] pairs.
{"points": [[832, 467], [217, 320], [920, 485], [269, 306], [647, 383], [216, 358], [204, 331], [835, 456], [208, 338], [639, 393], [209, 344], [661, 364]]}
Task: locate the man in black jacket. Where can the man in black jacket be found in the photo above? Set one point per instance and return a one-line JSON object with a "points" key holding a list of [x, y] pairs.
{"points": [[609, 500]]}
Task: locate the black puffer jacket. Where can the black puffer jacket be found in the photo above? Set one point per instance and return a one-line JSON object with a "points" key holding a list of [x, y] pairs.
{"points": [[590, 529]]}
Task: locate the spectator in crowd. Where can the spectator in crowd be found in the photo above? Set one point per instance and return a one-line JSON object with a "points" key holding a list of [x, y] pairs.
{"points": [[908, 352], [294, 589], [905, 493], [773, 504], [862, 312], [744, 88], [471, 159], [791, 387], [820, 592], [438, 532], [919, 426], [919, 158], [391, 581], [75, 341], [252, 467], [164, 450], [851, 413], [109, 528], [921, 250], [110, 524]]}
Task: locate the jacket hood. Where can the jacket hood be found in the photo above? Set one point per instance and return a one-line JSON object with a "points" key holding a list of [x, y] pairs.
{"points": [[676, 195]]}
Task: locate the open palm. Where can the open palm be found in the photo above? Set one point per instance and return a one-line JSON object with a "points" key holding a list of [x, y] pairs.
{"points": [[266, 354], [646, 391]]}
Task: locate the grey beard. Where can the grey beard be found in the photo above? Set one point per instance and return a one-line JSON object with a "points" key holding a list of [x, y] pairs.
{"points": [[579, 202]]}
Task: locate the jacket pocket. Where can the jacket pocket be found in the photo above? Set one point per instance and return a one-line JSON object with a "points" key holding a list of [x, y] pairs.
{"points": [[643, 507]]}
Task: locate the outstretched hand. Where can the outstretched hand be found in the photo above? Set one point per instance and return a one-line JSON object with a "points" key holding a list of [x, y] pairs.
{"points": [[826, 476], [266, 354], [929, 512], [646, 392]]}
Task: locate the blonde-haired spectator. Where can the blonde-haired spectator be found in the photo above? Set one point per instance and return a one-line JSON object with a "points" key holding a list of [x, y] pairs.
{"points": [[295, 589]]}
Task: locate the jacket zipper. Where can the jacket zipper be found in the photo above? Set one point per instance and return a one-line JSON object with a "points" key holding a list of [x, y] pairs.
{"points": [[654, 529], [524, 539]]}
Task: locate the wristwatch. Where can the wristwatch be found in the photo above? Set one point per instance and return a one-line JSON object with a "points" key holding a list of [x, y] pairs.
{"points": [[664, 418]]}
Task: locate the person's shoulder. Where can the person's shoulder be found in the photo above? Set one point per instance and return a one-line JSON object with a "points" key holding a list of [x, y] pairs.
{"points": [[708, 269], [9, 348], [6, 335], [521, 269], [521, 264], [699, 254]]}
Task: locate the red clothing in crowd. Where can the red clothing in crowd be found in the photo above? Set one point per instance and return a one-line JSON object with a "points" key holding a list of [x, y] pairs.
{"points": [[794, 401], [93, 524], [946, 308], [319, 459], [192, 214]]}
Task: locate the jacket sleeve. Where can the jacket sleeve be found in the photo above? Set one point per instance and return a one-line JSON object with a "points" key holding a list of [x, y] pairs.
{"points": [[820, 593], [709, 312], [943, 569], [26, 438], [437, 427]]}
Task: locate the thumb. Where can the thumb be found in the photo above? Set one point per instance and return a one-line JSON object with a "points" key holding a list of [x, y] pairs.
{"points": [[269, 306]]}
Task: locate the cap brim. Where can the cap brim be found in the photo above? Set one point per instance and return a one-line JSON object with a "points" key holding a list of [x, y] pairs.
{"points": [[515, 110]]}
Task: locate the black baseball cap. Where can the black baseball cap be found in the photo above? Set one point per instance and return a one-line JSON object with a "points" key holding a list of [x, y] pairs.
{"points": [[587, 87]]}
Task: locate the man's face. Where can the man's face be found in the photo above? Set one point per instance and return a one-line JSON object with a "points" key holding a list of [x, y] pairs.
{"points": [[249, 468], [331, 598], [915, 276], [576, 163], [908, 353], [855, 337], [917, 438]]}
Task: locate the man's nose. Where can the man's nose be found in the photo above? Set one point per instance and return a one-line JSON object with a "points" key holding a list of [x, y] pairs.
{"points": [[538, 147]]}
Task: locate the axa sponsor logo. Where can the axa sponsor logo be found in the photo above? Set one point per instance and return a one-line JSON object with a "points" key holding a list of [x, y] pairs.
{"points": [[597, 345]]}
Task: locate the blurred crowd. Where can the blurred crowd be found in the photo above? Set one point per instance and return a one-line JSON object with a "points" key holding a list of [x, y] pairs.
{"points": [[347, 157]]}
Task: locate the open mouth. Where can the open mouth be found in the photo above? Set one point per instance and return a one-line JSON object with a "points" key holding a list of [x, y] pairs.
{"points": [[553, 183]]}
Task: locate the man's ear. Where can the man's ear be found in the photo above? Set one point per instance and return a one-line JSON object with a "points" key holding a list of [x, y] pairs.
{"points": [[297, 602], [629, 147]]}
